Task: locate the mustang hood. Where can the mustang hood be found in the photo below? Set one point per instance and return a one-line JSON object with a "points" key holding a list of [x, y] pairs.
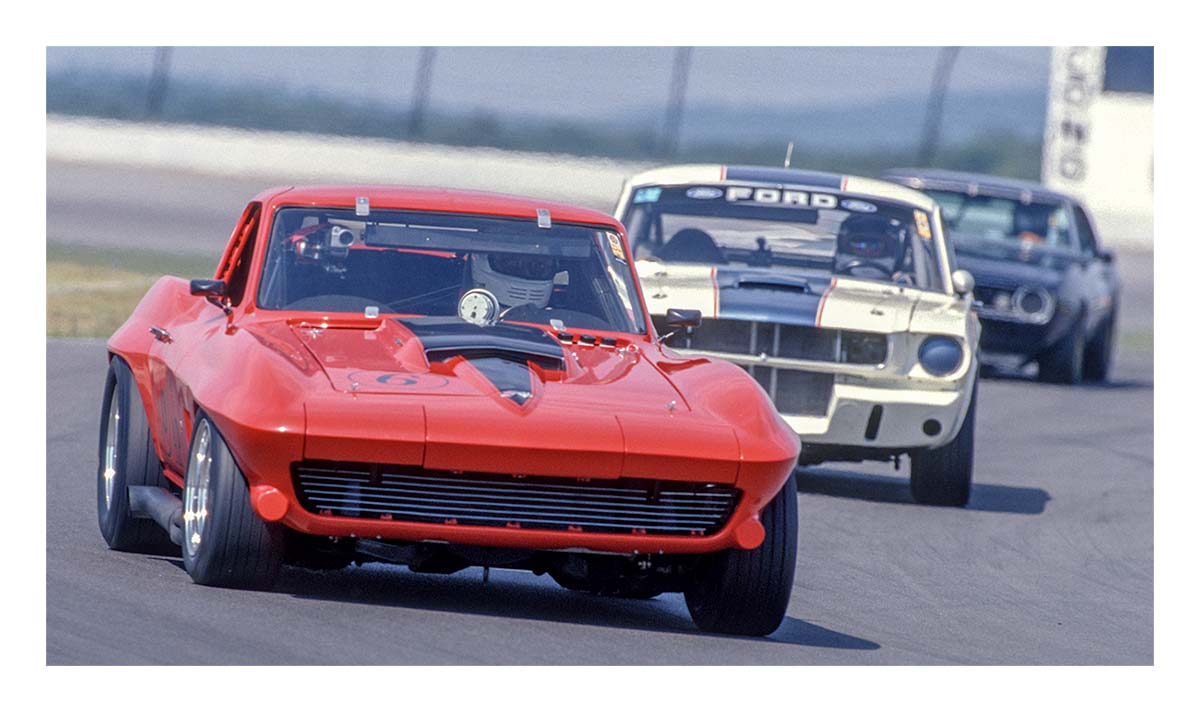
{"points": [[775, 295], [508, 398], [1010, 267]]}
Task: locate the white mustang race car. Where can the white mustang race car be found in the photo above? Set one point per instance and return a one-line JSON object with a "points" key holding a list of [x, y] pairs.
{"points": [[837, 293]]}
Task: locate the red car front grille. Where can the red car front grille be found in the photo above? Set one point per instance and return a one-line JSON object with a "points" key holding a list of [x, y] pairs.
{"points": [[413, 494]]}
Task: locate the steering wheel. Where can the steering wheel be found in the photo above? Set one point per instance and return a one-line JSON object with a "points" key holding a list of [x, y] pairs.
{"points": [[544, 315], [847, 269], [521, 310]]}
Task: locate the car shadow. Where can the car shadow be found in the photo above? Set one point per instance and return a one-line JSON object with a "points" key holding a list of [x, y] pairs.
{"points": [[1030, 376], [895, 490], [522, 596]]}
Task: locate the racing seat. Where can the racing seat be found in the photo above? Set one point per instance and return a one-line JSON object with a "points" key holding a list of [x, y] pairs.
{"points": [[692, 245]]}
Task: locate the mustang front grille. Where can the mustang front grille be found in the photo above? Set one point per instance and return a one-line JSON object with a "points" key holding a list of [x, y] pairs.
{"points": [[413, 494], [794, 392]]}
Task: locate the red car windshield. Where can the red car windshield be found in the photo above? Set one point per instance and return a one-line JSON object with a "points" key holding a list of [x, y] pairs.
{"points": [[425, 264]]}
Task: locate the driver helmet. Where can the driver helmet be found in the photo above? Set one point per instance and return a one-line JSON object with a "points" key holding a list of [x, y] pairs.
{"points": [[874, 238], [1031, 223], [515, 279]]}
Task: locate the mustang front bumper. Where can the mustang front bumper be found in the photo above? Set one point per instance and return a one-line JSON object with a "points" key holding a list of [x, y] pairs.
{"points": [[869, 407], [865, 416]]}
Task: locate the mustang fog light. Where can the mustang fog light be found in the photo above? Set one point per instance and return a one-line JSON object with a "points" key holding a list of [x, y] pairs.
{"points": [[864, 348], [940, 355]]}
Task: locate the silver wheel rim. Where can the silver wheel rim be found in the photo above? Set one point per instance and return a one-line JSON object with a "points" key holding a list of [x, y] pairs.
{"points": [[195, 491], [109, 475]]}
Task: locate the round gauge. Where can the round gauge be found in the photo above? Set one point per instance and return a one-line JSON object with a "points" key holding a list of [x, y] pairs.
{"points": [[479, 306]]}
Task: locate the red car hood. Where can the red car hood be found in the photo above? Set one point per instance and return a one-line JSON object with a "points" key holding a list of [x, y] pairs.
{"points": [[511, 399]]}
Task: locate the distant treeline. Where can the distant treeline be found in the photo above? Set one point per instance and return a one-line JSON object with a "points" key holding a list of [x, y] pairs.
{"points": [[272, 108]]}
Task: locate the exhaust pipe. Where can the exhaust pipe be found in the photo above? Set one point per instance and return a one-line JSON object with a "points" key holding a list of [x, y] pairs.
{"points": [[160, 505]]}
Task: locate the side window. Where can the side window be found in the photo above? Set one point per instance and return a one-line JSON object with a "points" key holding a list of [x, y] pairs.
{"points": [[235, 267], [1058, 231], [1087, 236]]}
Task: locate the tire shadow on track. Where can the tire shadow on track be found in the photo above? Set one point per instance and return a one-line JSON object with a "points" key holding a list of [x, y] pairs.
{"points": [[520, 596], [1002, 375], [895, 490]]}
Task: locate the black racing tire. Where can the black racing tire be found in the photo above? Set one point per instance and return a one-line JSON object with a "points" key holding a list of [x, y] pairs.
{"points": [[133, 462], [1063, 362], [942, 476], [1097, 357], [746, 592], [230, 546]]}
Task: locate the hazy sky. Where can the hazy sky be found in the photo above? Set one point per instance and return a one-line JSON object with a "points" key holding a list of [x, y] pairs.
{"points": [[602, 81]]}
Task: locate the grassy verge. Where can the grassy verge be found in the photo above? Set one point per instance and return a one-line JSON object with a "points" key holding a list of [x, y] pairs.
{"points": [[90, 291]]}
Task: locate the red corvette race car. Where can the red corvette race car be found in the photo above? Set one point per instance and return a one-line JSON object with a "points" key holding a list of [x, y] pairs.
{"points": [[442, 379]]}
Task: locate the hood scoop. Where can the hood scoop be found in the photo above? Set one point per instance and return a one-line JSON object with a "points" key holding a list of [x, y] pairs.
{"points": [[504, 354], [761, 279], [446, 338], [513, 380]]}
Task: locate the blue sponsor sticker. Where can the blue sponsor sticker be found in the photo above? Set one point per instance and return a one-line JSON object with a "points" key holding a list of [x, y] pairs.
{"points": [[647, 195], [858, 206], [704, 192]]}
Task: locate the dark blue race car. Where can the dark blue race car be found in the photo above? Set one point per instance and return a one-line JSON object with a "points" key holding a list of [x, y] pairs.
{"points": [[1047, 292]]}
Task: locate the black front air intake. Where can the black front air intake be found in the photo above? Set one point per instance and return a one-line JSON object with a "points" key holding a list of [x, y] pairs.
{"points": [[444, 338], [413, 494]]}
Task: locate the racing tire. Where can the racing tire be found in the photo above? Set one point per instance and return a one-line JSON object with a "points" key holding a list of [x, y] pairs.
{"points": [[127, 459], [746, 592], [225, 543], [941, 476], [1063, 362], [1098, 354]]}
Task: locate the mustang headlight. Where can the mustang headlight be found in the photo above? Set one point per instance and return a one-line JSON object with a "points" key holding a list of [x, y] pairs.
{"points": [[940, 355]]}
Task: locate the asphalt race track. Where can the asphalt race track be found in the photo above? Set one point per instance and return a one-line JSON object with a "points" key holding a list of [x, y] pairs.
{"points": [[1051, 563]]}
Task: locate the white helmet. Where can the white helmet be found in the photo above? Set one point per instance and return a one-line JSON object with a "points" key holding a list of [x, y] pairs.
{"points": [[515, 279]]}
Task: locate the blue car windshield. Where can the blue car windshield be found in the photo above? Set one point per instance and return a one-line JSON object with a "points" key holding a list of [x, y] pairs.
{"points": [[981, 220], [864, 238], [424, 264]]}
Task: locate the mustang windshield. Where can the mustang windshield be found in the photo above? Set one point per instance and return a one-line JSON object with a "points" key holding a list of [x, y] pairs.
{"points": [[982, 220], [446, 265], [780, 228]]}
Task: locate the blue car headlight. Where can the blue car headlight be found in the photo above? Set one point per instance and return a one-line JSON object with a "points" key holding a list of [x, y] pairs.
{"points": [[940, 355], [1035, 304]]}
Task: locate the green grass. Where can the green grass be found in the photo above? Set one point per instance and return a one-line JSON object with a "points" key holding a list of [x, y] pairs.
{"points": [[90, 291]]}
